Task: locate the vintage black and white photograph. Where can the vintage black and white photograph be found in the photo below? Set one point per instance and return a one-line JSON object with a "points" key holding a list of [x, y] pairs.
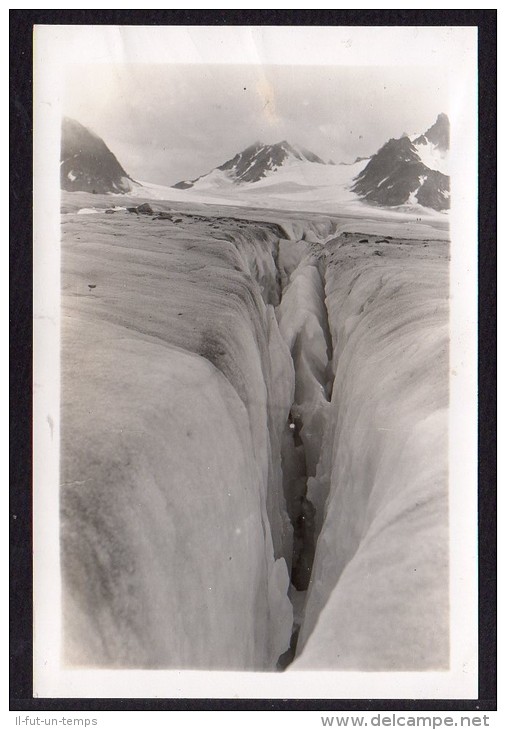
{"points": [[255, 454]]}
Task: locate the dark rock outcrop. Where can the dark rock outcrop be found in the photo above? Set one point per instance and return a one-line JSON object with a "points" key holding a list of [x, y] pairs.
{"points": [[145, 208], [395, 175], [87, 164]]}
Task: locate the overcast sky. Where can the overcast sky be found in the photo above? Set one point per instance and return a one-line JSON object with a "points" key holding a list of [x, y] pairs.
{"points": [[167, 123]]}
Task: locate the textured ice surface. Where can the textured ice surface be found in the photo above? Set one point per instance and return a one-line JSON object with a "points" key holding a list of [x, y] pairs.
{"points": [[163, 541], [199, 355], [176, 389], [379, 589], [303, 324]]}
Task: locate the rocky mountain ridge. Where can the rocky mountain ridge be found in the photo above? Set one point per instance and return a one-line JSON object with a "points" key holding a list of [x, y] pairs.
{"points": [[256, 162], [408, 171], [87, 164], [402, 171]]}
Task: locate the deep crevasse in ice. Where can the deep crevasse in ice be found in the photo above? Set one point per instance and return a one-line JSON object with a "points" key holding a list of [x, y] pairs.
{"points": [[197, 374]]}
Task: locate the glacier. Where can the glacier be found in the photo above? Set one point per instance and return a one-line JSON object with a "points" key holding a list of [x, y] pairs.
{"points": [[254, 425]]}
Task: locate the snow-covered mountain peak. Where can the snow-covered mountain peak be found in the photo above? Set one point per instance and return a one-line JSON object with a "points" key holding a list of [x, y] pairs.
{"points": [[410, 170], [254, 163]]}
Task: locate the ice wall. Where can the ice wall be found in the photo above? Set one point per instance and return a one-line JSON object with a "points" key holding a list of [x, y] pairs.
{"points": [[176, 390], [378, 597]]}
